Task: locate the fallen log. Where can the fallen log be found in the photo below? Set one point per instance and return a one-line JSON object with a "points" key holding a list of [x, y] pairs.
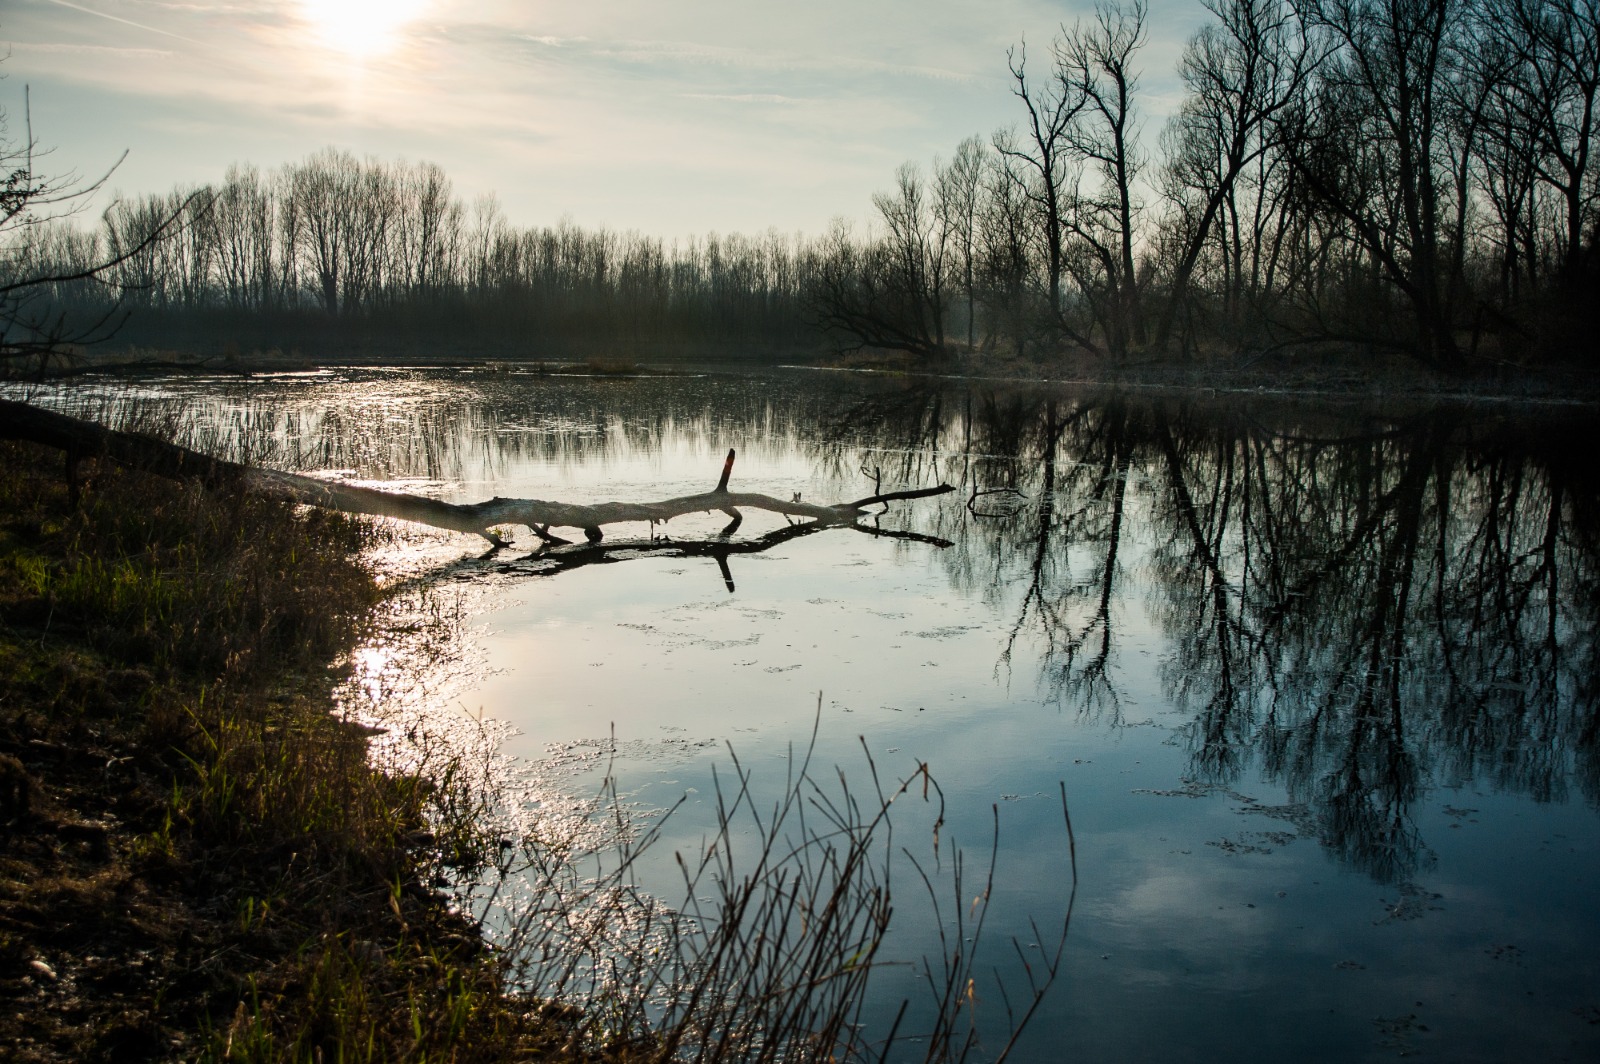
{"points": [[85, 439]]}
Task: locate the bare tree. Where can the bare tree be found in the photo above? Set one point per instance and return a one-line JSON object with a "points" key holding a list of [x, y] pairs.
{"points": [[1508, 174], [960, 189], [1553, 100], [321, 187], [1094, 69], [1242, 72], [242, 217], [1038, 163], [1007, 259], [1373, 149], [35, 326], [863, 298], [917, 239]]}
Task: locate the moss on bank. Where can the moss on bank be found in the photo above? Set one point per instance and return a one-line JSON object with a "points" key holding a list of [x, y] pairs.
{"points": [[196, 859]]}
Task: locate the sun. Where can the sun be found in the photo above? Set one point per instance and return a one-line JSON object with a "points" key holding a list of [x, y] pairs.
{"points": [[359, 28]]}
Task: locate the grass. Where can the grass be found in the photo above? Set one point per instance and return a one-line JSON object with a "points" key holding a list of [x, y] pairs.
{"points": [[200, 861], [203, 862], [786, 912]]}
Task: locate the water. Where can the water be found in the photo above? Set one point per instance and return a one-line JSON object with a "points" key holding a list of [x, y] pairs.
{"points": [[1320, 682]]}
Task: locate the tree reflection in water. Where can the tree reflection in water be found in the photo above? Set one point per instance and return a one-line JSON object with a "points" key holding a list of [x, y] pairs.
{"points": [[1358, 606]]}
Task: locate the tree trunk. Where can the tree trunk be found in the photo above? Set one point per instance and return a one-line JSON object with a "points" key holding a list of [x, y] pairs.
{"points": [[83, 439]]}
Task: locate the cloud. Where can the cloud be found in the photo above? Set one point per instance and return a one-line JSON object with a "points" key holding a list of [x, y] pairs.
{"points": [[741, 115], [551, 41], [261, 7], [695, 54], [124, 21], [741, 97], [93, 49]]}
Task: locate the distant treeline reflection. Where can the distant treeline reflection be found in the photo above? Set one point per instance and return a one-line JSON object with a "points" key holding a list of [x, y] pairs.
{"points": [[1355, 608]]}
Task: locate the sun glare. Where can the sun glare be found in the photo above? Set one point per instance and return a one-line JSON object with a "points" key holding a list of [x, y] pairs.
{"points": [[360, 28]]}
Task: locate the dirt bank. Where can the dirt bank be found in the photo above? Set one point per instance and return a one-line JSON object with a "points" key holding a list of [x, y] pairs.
{"points": [[197, 860]]}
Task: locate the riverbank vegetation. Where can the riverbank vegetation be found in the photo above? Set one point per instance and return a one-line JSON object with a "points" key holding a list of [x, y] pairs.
{"points": [[1393, 181], [197, 860]]}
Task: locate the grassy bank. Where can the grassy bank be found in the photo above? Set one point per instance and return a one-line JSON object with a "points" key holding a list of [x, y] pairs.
{"points": [[196, 859]]}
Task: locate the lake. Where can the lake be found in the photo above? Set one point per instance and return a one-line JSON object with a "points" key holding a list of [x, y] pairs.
{"points": [[1318, 678]]}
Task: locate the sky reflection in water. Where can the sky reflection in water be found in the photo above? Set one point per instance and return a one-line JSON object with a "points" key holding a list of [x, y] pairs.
{"points": [[1321, 685]]}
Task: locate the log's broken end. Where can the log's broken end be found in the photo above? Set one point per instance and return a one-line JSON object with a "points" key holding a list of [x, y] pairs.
{"points": [[727, 471]]}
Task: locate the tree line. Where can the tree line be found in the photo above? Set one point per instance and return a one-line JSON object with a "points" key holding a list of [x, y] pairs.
{"points": [[1407, 177], [341, 249]]}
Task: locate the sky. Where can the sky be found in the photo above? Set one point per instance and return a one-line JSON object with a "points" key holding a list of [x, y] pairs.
{"points": [[671, 117]]}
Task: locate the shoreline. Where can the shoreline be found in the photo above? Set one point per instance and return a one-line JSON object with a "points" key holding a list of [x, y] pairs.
{"points": [[1338, 376], [1167, 388], [198, 858]]}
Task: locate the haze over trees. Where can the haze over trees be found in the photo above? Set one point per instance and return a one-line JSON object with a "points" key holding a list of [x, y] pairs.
{"points": [[1406, 177]]}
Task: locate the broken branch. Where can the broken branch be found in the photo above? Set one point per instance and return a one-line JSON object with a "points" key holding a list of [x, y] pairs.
{"points": [[23, 421]]}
